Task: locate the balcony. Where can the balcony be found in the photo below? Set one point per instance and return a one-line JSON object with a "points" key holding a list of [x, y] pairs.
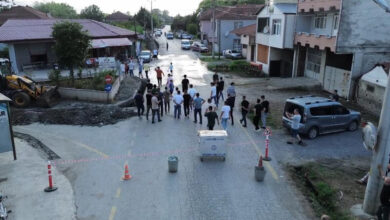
{"points": [[321, 41], [318, 5]]}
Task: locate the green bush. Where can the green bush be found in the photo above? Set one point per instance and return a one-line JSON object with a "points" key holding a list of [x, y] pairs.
{"points": [[239, 65], [55, 76], [325, 195]]}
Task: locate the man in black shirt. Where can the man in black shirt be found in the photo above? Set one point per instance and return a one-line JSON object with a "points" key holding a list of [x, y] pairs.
{"points": [[335, 96], [149, 86], [184, 83], [186, 103], [215, 78], [220, 86], [384, 209], [256, 119], [230, 102], [148, 103], [139, 102], [244, 110], [264, 111]]}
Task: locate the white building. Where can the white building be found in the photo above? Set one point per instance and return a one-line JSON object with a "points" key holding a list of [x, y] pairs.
{"points": [[275, 38]]}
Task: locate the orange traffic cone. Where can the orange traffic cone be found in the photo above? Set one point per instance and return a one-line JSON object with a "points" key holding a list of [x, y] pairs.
{"points": [[127, 175]]}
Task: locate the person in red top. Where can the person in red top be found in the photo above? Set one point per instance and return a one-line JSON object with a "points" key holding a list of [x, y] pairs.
{"points": [[160, 74]]}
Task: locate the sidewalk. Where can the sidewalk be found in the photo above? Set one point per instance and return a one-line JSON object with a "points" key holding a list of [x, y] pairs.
{"points": [[25, 180]]}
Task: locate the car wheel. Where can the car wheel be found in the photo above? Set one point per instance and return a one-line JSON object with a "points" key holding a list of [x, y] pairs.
{"points": [[352, 126], [313, 132]]}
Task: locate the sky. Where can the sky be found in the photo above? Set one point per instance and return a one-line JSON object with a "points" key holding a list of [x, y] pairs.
{"points": [[182, 7]]}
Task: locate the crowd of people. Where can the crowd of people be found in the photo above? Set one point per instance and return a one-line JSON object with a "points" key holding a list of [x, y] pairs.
{"points": [[159, 98]]}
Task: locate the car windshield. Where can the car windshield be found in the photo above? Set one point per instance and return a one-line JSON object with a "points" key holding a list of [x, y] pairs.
{"points": [[185, 43], [145, 53]]}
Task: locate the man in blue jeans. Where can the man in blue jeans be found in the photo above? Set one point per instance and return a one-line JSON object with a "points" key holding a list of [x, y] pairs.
{"points": [[177, 100], [213, 94], [225, 115], [198, 102]]}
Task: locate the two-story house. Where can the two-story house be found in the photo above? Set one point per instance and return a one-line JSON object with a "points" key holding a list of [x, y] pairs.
{"points": [[336, 41], [275, 37], [227, 19]]}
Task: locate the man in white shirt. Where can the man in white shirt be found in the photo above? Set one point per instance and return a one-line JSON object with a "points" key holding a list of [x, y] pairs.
{"points": [[225, 115], [131, 67], [295, 120], [171, 68], [192, 91], [213, 93], [177, 100], [155, 108]]}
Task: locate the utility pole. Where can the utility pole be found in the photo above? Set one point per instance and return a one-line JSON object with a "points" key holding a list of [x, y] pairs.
{"points": [[219, 39], [151, 16], [213, 41], [381, 151]]}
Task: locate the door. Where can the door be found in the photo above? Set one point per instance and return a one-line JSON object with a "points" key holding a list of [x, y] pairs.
{"points": [[274, 68], [340, 117], [321, 118], [253, 48], [301, 61]]}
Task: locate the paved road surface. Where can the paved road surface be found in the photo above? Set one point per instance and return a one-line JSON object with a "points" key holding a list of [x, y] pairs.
{"points": [[93, 159]]}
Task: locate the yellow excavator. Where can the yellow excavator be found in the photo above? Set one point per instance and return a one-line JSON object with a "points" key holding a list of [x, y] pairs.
{"points": [[22, 90]]}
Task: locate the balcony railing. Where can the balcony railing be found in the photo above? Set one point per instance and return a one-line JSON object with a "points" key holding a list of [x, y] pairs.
{"points": [[313, 40], [318, 5]]}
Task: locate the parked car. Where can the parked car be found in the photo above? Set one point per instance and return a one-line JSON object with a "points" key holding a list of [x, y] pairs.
{"points": [[146, 55], [170, 36], [185, 44], [320, 115], [232, 54], [186, 36], [179, 33], [158, 33], [197, 46]]}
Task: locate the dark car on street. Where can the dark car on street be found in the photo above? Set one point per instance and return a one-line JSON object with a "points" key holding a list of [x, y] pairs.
{"points": [[186, 36], [199, 47], [170, 36], [320, 116]]}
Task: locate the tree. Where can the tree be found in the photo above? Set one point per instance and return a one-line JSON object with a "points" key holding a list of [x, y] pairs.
{"points": [[57, 10], [6, 4], [71, 45], [143, 18], [206, 4], [192, 28], [92, 12]]}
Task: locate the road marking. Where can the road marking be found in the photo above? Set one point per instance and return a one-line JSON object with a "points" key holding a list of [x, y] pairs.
{"points": [[267, 165], [118, 193], [112, 213]]}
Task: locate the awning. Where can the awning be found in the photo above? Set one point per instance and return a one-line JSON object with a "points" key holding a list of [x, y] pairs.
{"points": [[111, 42]]}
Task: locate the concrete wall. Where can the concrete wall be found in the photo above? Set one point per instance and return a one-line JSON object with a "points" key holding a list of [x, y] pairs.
{"points": [[91, 95], [364, 27], [289, 26], [25, 50], [225, 27], [206, 28], [370, 101]]}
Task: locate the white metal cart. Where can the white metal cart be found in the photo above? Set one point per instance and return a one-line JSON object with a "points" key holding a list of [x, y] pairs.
{"points": [[212, 144]]}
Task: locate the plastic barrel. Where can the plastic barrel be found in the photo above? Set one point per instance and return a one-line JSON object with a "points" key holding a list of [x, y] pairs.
{"points": [[173, 163]]}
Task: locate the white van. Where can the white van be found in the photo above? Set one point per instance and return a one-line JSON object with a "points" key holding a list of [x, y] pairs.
{"points": [[185, 44]]}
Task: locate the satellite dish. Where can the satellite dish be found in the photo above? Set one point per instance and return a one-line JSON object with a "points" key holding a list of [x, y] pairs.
{"points": [[383, 4], [369, 136]]}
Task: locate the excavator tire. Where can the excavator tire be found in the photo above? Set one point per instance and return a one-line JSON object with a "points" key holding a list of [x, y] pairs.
{"points": [[21, 99]]}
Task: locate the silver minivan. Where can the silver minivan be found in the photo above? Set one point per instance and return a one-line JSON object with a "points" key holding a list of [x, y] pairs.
{"points": [[320, 116], [185, 44]]}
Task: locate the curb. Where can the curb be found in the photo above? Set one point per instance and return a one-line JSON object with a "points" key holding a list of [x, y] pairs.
{"points": [[44, 150]]}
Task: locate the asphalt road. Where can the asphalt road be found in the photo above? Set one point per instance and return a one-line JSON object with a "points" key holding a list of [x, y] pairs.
{"points": [[93, 159]]}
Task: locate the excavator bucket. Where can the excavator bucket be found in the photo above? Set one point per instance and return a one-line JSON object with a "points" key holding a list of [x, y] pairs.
{"points": [[49, 98]]}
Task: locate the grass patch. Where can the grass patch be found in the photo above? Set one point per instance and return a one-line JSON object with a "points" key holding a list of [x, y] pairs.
{"points": [[271, 122], [322, 184]]}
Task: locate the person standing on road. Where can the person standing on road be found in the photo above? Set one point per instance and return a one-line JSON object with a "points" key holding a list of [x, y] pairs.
{"points": [[244, 110], [147, 69], [211, 116], [225, 115], [210, 103], [198, 102], [139, 102], [126, 69], [335, 96], [186, 103], [177, 100], [213, 94], [231, 90], [171, 68], [192, 91], [230, 101], [159, 74], [131, 67], [148, 103], [167, 46], [160, 97], [296, 119], [384, 209], [167, 97], [140, 68], [220, 86], [169, 78], [184, 83], [215, 78], [264, 111], [155, 107], [257, 115], [171, 87], [155, 54]]}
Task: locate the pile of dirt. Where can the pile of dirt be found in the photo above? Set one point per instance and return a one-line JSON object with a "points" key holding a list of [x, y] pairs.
{"points": [[83, 114], [329, 185]]}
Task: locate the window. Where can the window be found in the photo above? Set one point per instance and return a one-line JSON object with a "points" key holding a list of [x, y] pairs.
{"points": [[237, 44], [335, 22], [276, 26], [314, 60], [244, 46], [339, 110], [320, 21], [320, 111], [238, 24], [370, 88], [262, 25]]}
